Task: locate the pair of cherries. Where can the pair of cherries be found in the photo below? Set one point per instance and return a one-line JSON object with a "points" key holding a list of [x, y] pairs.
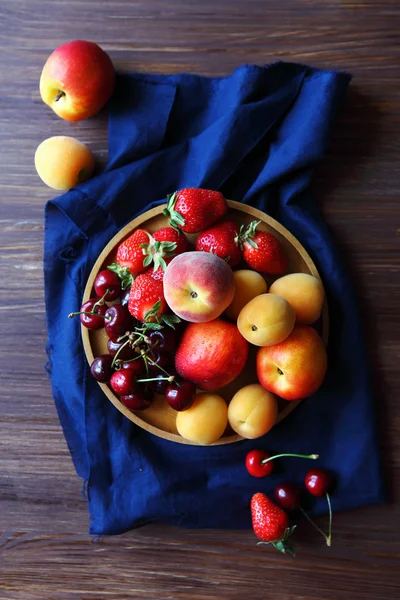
{"points": [[288, 495], [95, 314]]}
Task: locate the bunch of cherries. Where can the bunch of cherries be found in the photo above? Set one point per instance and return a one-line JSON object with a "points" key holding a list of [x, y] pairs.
{"points": [[139, 362], [318, 482]]}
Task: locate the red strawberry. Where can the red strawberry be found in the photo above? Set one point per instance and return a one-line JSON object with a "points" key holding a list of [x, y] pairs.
{"points": [[158, 274], [162, 246], [222, 241], [146, 292], [262, 251], [195, 209], [130, 252], [271, 523], [169, 234]]}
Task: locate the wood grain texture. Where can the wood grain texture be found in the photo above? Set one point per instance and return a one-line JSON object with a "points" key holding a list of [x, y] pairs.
{"points": [[45, 552]]}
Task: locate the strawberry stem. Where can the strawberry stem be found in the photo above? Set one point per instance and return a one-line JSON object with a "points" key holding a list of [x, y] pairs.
{"points": [[310, 456]]}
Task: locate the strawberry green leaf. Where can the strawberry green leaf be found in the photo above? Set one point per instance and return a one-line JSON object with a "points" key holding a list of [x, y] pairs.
{"points": [[246, 234], [148, 260], [282, 545], [175, 218], [123, 273], [170, 320], [150, 325]]}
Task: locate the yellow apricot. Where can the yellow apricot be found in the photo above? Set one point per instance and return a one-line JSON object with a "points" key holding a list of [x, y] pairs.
{"points": [[252, 411], [62, 162], [266, 320], [248, 285], [205, 421], [305, 293]]}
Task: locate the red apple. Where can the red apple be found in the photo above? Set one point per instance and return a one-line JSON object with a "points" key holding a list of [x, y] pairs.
{"points": [[295, 368], [77, 80], [211, 354]]}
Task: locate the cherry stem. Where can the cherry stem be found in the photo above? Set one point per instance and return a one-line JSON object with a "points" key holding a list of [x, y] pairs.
{"points": [[170, 378], [153, 364], [315, 525], [107, 318], [329, 538], [132, 359], [101, 301], [118, 351], [122, 337], [311, 456]]}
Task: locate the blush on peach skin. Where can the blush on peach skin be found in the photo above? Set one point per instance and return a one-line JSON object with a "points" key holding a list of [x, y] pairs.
{"points": [[198, 286]]}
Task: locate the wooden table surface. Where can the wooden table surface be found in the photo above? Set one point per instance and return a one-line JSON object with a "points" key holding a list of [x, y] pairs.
{"points": [[44, 546]]}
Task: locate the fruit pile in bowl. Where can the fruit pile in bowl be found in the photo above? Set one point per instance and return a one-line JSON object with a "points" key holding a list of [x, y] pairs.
{"points": [[204, 320]]}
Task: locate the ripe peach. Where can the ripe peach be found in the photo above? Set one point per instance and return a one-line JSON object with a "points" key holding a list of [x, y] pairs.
{"points": [[266, 320], [304, 292], [252, 411], [205, 421], [211, 354], [198, 286], [248, 285], [62, 162], [296, 367]]}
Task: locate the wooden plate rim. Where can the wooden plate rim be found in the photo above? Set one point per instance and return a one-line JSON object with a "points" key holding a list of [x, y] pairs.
{"points": [[136, 222]]}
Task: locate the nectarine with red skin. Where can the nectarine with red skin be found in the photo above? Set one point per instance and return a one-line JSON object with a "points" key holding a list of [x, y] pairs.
{"points": [[211, 354]]}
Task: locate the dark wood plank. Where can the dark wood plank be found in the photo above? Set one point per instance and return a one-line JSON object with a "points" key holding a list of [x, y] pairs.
{"points": [[45, 551]]}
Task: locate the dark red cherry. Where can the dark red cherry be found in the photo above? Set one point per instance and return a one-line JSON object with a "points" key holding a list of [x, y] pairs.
{"points": [[114, 346], [125, 296], [318, 482], [123, 382], [107, 280], [163, 340], [161, 383], [139, 399], [101, 368], [118, 320], [158, 359], [137, 366], [91, 321], [288, 496], [180, 394]]}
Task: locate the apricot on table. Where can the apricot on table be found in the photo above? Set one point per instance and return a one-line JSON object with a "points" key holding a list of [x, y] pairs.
{"points": [[62, 162], [205, 421], [252, 411], [248, 285], [304, 292], [266, 320]]}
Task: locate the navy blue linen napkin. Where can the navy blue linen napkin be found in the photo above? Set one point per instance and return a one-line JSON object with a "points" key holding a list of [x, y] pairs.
{"points": [[256, 135]]}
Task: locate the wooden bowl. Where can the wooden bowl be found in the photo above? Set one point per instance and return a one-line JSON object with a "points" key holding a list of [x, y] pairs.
{"points": [[159, 418]]}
